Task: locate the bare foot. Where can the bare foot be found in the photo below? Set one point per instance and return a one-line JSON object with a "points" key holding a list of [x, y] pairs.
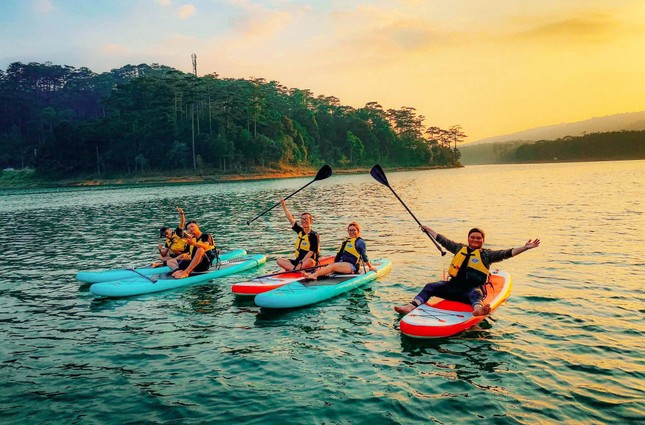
{"points": [[404, 309], [481, 310], [179, 274], [309, 276]]}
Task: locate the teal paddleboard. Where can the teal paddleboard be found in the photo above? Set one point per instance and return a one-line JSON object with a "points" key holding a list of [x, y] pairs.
{"points": [[119, 274], [155, 283], [302, 292]]}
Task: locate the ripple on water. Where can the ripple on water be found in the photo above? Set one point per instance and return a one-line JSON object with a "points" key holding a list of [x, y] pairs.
{"points": [[565, 347]]}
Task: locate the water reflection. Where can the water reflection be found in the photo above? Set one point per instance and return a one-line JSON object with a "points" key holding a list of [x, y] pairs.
{"points": [[567, 330]]}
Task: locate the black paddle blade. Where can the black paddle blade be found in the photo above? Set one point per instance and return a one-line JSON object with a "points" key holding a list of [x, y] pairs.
{"points": [[378, 174], [323, 173]]}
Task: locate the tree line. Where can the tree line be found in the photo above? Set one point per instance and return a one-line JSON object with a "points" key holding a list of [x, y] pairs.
{"points": [[66, 121], [613, 145]]}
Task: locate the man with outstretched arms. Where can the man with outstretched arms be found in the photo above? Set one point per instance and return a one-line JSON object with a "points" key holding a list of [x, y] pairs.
{"points": [[469, 271], [307, 245]]}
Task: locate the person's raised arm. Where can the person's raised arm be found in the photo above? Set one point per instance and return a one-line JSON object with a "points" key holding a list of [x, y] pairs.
{"points": [[528, 245], [182, 218], [287, 213], [428, 230]]}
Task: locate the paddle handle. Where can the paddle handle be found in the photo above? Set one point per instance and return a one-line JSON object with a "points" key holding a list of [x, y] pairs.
{"points": [[418, 222], [285, 198]]}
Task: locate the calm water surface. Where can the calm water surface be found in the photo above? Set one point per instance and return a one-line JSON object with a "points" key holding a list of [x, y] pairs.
{"points": [[567, 347]]}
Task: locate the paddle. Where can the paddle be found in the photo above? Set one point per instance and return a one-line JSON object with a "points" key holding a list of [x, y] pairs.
{"points": [[378, 174], [308, 269], [322, 174], [143, 275]]}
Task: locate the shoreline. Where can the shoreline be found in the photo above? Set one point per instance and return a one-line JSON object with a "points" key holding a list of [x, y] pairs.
{"points": [[25, 179]]}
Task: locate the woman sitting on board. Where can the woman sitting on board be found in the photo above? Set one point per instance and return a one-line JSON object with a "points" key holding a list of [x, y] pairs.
{"points": [[201, 252], [469, 271], [348, 260]]}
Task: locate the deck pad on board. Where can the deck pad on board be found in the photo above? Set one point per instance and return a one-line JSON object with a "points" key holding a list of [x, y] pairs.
{"points": [[441, 318]]}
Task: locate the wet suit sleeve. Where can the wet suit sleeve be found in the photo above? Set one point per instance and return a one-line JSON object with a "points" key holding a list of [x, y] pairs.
{"points": [[489, 256], [451, 246], [362, 250]]}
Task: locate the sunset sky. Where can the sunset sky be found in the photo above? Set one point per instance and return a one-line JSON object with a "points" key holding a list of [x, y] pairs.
{"points": [[493, 67]]}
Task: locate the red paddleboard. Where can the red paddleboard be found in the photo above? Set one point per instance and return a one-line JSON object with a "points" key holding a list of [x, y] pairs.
{"points": [[263, 284], [442, 318]]}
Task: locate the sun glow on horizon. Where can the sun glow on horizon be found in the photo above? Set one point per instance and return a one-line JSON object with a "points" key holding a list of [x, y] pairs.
{"points": [[492, 70]]}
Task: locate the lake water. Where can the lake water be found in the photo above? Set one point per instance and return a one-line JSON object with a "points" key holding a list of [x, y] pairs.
{"points": [[567, 347]]}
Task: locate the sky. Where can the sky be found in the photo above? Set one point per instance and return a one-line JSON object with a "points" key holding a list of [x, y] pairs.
{"points": [[491, 66]]}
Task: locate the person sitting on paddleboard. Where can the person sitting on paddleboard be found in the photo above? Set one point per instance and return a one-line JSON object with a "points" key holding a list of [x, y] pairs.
{"points": [[201, 252], [174, 244], [307, 247], [469, 271], [348, 260]]}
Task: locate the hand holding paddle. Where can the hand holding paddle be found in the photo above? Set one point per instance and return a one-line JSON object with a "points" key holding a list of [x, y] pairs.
{"points": [[322, 174], [379, 175]]}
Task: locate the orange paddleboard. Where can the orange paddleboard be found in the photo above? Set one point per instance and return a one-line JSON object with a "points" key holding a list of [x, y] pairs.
{"points": [[442, 318], [263, 284]]}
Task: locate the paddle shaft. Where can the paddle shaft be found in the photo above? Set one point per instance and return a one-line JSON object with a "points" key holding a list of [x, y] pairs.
{"points": [[266, 211], [143, 275], [418, 222], [308, 269]]}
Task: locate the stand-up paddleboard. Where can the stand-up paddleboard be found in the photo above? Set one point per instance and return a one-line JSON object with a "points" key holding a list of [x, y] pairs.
{"points": [[303, 292], [119, 274], [267, 283], [155, 283], [442, 318]]}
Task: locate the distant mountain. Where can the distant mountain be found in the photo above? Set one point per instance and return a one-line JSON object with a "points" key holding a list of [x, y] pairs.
{"points": [[626, 121]]}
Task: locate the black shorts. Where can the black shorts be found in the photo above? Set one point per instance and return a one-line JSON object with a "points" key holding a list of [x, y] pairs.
{"points": [[294, 263], [203, 265]]}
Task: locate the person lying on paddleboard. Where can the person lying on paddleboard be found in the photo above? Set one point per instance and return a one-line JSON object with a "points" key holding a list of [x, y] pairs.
{"points": [[466, 284], [307, 246], [174, 244], [200, 254], [351, 254]]}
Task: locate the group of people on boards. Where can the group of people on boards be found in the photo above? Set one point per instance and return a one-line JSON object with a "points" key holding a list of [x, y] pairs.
{"points": [[186, 249], [190, 250], [351, 256]]}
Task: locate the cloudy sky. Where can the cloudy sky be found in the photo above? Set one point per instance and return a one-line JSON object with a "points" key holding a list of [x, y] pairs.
{"points": [[491, 66]]}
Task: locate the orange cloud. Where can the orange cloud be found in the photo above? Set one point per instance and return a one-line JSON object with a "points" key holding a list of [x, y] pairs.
{"points": [[186, 11], [112, 49]]}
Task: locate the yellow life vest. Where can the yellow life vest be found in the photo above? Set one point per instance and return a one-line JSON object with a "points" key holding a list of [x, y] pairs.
{"points": [[175, 244], [348, 252], [476, 274], [209, 240], [303, 246]]}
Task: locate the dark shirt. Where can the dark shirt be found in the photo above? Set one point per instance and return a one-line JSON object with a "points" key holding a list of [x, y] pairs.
{"points": [[361, 248], [204, 237], [313, 240]]}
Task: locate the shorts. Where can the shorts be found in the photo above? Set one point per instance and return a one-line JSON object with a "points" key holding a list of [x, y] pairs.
{"points": [[294, 263], [203, 265]]}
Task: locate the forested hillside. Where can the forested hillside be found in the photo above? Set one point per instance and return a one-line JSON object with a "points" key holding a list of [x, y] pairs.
{"points": [[613, 145], [66, 121]]}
